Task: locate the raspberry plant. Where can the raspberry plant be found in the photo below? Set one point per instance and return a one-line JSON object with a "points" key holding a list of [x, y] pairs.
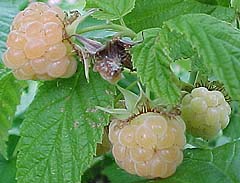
{"points": [[57, 130]]}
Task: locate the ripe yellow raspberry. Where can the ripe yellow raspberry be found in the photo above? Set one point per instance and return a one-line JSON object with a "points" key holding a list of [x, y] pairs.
{"points": [[149, 145], [205, 112], [35, 45]]}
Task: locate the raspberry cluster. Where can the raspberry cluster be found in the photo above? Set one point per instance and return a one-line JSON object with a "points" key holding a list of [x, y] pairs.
{"points": [[35, 46], [205, 112], [150, 145]]}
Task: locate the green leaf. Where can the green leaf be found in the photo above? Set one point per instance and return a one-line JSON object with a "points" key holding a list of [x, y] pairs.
{"points": [[129, 81], [153, 66], [218, 45], [179, 48], [14, 138], [7, 170], [235, 4], [62, 128], [122, 114], [10, 94], [79, 4], [130, 98], [223, 2], [28, 94], [233, 129], [147, 15], [216, 2], [8, 167], [111, 9], [20, 4], [7, 13], [118, 175], [220, 165], [94, 173]]}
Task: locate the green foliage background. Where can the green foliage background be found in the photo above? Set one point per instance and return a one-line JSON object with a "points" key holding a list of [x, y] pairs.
{"points": [[60, 129]]}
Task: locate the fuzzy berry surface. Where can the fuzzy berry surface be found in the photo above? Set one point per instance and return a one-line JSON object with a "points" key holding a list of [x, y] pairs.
{"points": [[205, 112], [35, 45], [149, 145]]}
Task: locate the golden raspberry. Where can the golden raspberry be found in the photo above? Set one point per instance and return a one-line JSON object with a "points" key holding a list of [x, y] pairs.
{"points": [[150, 145], [35, 45]]}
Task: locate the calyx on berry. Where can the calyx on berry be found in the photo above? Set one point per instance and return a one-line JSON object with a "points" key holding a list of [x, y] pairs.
{"points": [[146, 141]]}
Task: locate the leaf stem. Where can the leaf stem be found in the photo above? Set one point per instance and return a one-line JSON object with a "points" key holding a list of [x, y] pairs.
{"points": [[193, 77], [124, 30]]}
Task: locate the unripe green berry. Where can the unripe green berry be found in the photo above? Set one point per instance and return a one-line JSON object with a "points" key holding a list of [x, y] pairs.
{"points": [[205, 112]]}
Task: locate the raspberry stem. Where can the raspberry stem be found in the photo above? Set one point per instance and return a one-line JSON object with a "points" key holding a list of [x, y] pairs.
{"points": [[124, 30]]}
